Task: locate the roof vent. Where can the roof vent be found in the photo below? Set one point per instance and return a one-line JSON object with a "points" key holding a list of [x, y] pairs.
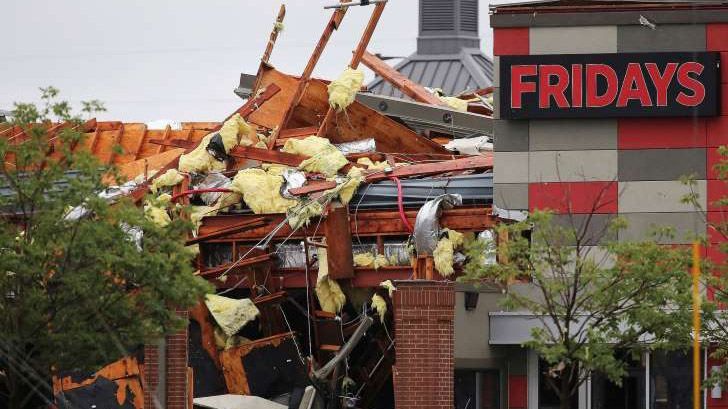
{"points": [[469, 15], [437, 15]]}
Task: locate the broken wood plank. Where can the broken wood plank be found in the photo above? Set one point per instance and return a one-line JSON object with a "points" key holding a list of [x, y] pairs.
{"points": [[424, 169], [201, 315], [298, 132], [248, 108], [332, 25], [232, 360], [356, 58], [252, 104], [367, 36], [245, 225], [408, 87], [274, 34], [138, 167], [338, 240], [235, 265]]}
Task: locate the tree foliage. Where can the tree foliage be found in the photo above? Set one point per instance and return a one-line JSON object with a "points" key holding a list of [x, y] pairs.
{"points": [[76, 293], [714, 313], [596, 305]]}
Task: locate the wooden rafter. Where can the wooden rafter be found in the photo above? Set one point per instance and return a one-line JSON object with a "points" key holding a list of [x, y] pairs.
{"points": [[332, 26], [408, 87], [356, 58], [274, 34]]}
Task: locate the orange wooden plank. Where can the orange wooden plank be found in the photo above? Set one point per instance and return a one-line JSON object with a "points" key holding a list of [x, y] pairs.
{"points": [[408, 87]]}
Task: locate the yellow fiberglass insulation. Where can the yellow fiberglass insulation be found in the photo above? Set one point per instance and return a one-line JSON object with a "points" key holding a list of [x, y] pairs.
{"points": [[222, 341], [380, 306], [171, 177], [455, 103], [324, 157], [231, 314], [389, 286], [198, 212], [445, 251], [372, 165], [342, 90], [300, 215], [200, 161], [328, 292], [261, 191], [346, 192], [370, 260], [156, 210]]}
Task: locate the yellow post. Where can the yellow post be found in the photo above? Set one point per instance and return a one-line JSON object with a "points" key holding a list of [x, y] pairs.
{"points": [[696, 325]]}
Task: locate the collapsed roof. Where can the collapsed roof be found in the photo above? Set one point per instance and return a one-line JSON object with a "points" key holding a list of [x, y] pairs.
{"points": [[306, 176]]}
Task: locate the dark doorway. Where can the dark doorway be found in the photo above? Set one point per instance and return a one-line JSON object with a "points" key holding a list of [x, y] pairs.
{"points": [[476, 389]]}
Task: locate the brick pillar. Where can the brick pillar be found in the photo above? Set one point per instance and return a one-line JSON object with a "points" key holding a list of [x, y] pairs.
{"points": [[424, 313], [176, 360], [151, 375]]}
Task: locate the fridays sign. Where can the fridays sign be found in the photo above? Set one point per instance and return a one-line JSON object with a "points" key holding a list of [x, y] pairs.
{"points": [[609, 85]]}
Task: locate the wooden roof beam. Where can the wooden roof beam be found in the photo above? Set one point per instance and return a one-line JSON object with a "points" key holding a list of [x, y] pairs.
{"points": [[408, 87], [333, 25], [356, 58]]}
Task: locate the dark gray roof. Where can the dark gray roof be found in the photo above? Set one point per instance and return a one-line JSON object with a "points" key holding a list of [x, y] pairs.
{"points": [[453, 73]]}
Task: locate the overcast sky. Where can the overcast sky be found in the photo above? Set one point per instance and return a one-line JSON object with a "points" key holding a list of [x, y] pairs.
{"points": [[178, 59]]}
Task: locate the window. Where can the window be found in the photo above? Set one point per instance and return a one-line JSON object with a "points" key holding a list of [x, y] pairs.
{"points": [[547, 396], [606, 394], [477, 389], [671, 380]]}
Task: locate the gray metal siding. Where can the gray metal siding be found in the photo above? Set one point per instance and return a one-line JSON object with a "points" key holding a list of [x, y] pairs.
{"points": [[510, 136], [661, 164], [668, 37], [640, 226], [573, 134], [511, 196], [594, 228]]}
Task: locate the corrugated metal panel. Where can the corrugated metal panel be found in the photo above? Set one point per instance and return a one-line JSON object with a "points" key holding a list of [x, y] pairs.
{"points": [[450, 73], [485, 64]]}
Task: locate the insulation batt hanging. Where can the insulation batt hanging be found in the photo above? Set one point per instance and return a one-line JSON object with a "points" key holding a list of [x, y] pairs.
{"points": [[342, 90], [201, 161], [444, 253], [328, 291], [231, 314]]}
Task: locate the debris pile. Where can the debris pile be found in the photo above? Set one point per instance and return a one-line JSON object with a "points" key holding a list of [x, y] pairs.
{"points": [[305, 205]]}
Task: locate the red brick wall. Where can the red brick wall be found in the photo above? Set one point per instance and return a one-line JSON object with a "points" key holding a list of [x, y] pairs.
{"points": [[424, 314], [177, 368], [151, 375]]}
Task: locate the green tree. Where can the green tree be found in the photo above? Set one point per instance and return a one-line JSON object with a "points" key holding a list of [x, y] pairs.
{"points": [[76, 292], [596, 305], [715, 315]]}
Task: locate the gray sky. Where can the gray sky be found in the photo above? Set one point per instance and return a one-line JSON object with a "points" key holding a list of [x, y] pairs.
{"points": [[177, 59]]}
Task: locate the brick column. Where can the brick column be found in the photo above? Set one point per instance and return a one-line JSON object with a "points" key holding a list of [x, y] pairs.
{"points": [[177, 368], [151, 375], [424, 313]]}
